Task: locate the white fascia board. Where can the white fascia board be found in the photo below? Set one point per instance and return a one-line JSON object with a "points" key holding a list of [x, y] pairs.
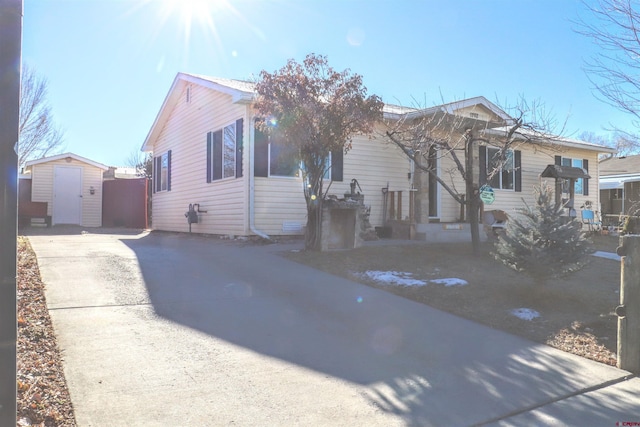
{"points": [[160, 117], [64, 156]]}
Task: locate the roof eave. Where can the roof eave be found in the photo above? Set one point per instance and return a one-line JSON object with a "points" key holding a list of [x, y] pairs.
{"points": [[237, 96], [558, 140], [64, 156]]}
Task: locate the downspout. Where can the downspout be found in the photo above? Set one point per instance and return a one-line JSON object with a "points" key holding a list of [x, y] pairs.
{"points": [[251, 145]]}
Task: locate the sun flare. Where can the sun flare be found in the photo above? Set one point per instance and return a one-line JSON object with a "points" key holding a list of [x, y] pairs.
{"points": [[192, 12]]}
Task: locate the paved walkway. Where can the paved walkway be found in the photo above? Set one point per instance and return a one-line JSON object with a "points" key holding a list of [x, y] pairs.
{"points": [[180, 330]]}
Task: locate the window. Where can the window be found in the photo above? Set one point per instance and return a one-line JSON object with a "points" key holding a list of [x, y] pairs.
{"points": [[508, 177], [581, 185], [616, 194], [273, 158], [283, 159], [503, 171], [327, 167], [224, 152], [229, 151], [162, 172]]}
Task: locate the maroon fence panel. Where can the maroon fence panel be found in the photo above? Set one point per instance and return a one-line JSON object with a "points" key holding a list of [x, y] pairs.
{"points": [[124, 203]]}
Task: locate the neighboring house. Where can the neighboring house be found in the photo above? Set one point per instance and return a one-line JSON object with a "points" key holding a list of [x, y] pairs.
{"points": [[71, 187], [208, 154], [119, 172], [620, 185]]}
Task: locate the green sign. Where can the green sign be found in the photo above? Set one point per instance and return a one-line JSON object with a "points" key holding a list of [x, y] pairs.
{"points": [[487, 195]]}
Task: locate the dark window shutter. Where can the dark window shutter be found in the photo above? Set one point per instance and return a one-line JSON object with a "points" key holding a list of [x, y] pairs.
{"points": [[558, 160], [482, 170], [216, 151], [209, 153], [337, 164], [169, 170], [261, 154], [239, 132], [585, 184], [517, 163]]}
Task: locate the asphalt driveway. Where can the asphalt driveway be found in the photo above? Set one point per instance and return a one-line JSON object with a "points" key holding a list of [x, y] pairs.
{"points": [[181, 330]]}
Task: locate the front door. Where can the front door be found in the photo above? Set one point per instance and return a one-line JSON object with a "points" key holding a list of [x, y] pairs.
{"points": [[67, 195]]}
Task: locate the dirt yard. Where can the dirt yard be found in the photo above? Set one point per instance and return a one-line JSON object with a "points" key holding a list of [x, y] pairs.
{"points": [[575, 313]]}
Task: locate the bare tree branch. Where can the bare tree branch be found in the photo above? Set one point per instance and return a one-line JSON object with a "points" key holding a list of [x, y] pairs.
{"points": [[429, 133], [615, 71], [38, 134]]}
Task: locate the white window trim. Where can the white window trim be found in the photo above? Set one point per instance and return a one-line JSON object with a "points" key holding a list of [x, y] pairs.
{"points": [[513, 170], [270, 175]]}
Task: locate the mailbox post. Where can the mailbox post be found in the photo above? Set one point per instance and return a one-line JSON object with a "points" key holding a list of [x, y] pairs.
{"points": [[629, 309]]}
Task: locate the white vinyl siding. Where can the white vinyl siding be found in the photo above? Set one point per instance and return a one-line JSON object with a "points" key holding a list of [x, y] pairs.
{"points": [[185, 134], [279, 204], [279, 200], [373, 162], [533, 162]]}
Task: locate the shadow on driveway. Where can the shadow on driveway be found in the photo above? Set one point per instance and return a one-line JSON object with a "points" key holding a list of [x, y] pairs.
{"points": [[426, 366]]}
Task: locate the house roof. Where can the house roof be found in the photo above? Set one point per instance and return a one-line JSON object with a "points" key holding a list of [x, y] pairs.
{"points": [[64, 156], [240, 91], [620, 165], [453, 107], [616, 181], [244, 92], [563, 141]]}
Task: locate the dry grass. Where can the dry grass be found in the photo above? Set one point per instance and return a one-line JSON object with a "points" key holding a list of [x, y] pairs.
{"points": [[576, 312]]}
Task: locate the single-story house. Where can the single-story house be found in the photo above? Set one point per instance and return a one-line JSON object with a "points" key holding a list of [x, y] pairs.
{"points": [[620, 185], [69, 185], [209, 155]]}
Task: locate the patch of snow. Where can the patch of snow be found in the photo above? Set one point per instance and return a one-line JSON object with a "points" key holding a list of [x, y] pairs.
{"points": [[451, 281], [394, 278], [607, 255], [525, 313]]}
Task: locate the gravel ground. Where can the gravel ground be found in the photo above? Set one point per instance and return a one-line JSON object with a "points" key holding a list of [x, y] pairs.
{"points": [[43, 397]]}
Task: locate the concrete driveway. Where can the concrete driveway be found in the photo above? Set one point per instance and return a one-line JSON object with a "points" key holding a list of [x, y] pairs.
{"points": [[169, 329]]}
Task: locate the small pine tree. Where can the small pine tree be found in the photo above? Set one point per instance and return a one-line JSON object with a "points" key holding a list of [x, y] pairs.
{"points": [[542, 243]]}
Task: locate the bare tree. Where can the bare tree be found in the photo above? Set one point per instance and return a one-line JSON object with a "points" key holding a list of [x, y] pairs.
{"points": [[427, 134], [615, 70], [623, 142], [316, 110], [38, 134], [142, 162]]}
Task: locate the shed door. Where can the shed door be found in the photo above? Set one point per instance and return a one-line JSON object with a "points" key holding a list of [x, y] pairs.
{"points": [[67, 195]]}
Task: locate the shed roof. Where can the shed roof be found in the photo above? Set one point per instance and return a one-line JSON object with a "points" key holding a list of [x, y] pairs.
{"points": [[64, 156]]}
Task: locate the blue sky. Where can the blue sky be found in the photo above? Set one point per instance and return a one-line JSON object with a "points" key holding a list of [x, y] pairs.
{"points": [[109, 64]]}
